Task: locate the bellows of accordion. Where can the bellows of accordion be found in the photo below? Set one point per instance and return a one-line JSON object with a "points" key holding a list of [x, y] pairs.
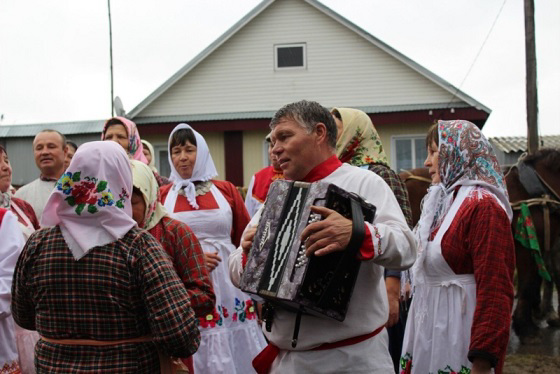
{"points": [[277, 268]]}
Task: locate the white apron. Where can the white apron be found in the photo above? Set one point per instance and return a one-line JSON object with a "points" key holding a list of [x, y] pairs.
{"points": [[25, 339], [438, 330], [230, 338]]}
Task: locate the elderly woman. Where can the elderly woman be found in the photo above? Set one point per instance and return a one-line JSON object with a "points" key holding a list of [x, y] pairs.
{"points": [[460, 316], [10, 247], [23, 211], [177, 239], [215, 212], [101, 292], [124, 132]]}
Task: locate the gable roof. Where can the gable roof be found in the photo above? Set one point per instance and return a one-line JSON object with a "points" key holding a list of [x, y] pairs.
{"points": [[327, 11]]}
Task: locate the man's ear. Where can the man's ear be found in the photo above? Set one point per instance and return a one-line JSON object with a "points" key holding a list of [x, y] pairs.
{"points": [[321, 131]]}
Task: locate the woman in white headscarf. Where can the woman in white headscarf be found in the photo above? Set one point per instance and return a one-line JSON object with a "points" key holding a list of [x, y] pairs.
{"points": [[460, 316], [101, 292], [214, 210]]}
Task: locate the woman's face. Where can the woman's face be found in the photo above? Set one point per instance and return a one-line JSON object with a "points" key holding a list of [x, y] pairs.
{"points": [[432, 162], [5, 172], [138, 208], [183, 158], [147, 154], [117, 133], [339, 127]]}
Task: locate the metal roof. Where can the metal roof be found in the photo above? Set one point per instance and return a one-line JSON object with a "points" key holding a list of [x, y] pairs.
{"points": [[66, 128], [509, 144], [337, 17]]}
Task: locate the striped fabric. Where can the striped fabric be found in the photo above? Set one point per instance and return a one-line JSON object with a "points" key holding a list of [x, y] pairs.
{"points": [[397, 186], [123, 290]]}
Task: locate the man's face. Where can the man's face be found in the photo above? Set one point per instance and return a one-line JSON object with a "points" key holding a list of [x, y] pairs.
{"points": [[50, 152], [295, 149]]}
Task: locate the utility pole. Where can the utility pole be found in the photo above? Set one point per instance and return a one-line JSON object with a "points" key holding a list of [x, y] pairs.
{"points": [[531, 78], [111, 56]]}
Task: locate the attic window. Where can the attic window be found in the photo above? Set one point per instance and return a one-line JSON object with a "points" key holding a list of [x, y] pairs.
{"points": [[289, 56]]}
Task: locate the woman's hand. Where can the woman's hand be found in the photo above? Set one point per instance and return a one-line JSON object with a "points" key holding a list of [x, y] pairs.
{"points": [[212, 260], [481, 366]]}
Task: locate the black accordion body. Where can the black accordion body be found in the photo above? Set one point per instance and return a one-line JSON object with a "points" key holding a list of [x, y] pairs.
{"points": [[278, 270]]}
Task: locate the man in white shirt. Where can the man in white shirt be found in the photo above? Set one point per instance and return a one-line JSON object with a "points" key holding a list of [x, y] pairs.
{"points": [[304, 138], [49, 149]]}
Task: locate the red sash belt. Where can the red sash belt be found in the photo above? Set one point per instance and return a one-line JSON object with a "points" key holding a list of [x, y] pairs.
{"points": [[263, 362]]}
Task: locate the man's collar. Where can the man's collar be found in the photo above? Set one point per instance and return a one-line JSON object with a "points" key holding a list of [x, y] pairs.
{"points": [[47, 179], [323, 170]]}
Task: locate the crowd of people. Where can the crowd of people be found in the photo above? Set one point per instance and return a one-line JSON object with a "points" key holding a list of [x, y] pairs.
{"points": [[106, 266]]}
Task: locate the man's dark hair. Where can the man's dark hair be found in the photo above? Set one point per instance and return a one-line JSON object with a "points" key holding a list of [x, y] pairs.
{"points": [[307, 114], [72, 144], [181, 137]]}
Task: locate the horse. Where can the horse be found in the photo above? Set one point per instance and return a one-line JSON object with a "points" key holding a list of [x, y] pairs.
{"points": [[529, 304], [545, 213]]}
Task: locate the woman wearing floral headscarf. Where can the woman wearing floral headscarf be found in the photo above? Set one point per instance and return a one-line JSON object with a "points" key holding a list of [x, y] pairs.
{"points": [[101, 292], [214, 210], [460, 316], [125, 132]]}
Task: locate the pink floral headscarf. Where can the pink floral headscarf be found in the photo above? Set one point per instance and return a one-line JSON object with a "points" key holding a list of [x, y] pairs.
{"points": [[465, 158], [91, 201], [135, 149]]}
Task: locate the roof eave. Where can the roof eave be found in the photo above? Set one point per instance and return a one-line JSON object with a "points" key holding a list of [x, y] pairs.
{"points": [[200, 57], [399, 56]]}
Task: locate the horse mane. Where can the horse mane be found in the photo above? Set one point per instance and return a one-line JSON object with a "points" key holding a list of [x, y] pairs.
{"points": [[550, 157]]}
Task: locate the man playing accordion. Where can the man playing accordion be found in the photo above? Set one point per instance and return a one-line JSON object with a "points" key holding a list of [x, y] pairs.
{"points": [[304, 138]]}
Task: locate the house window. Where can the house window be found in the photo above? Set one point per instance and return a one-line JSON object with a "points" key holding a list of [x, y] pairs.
{"points": [[163, 163], [408, 152], [289, 56]]}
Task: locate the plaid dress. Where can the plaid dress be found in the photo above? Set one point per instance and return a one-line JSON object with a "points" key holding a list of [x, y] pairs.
{"points": [[123, 290]]}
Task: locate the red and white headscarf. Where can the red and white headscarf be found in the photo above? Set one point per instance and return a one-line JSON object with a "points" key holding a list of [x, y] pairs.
{"points": [[91, 201], [203, 170], [135, 148]]}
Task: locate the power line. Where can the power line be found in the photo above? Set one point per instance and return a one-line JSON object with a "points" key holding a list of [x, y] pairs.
{"points": [[477, 55]]}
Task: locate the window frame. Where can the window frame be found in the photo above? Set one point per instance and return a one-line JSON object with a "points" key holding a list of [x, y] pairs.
{"points": [[412, 137], [290, 45]]}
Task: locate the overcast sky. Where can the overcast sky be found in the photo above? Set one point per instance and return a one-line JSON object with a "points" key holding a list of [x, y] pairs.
{"points": [[54, 55]]}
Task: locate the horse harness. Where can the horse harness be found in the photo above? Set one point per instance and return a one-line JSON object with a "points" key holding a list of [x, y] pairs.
{"points": [[540, 193]]}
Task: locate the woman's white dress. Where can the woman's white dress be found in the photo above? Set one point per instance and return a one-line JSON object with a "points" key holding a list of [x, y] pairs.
{"points": [[438, 328], [231, 337]]}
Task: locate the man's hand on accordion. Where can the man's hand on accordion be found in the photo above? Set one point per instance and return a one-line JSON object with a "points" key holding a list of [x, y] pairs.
{"points": [[247, 239], [328, 235]]}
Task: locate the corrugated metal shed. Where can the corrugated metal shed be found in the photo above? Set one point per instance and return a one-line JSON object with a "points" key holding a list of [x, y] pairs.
{"points": [[67, 128], [508, 144]]}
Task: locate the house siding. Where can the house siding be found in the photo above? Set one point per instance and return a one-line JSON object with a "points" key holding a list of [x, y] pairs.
{"points": [[342, 69]]}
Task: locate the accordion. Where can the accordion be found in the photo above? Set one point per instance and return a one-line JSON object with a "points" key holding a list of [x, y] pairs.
{"points": [[277, 268]]}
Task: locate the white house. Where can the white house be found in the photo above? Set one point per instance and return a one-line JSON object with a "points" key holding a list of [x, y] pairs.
{"points": [[287, 50]]}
